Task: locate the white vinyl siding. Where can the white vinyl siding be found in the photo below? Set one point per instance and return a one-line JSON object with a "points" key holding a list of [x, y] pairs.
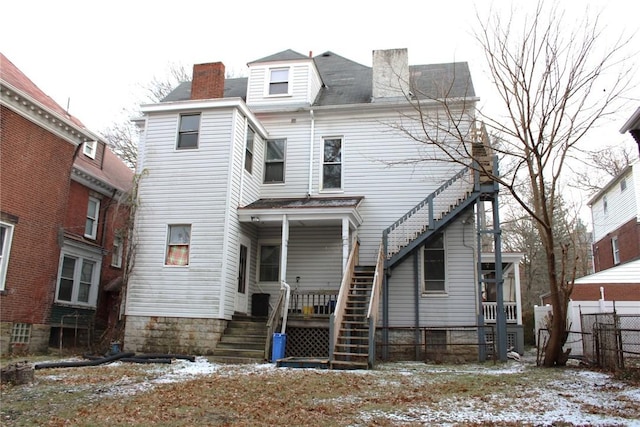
{"points": [[457, 308], [374, 166], [184, 187], [303, 83], [622, 206]]}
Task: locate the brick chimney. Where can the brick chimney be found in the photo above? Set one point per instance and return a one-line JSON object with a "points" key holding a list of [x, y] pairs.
{"points": [[208, 81]]}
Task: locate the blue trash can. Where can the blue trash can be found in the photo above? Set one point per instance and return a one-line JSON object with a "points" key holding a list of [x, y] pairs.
{"points": [[278, 345]]}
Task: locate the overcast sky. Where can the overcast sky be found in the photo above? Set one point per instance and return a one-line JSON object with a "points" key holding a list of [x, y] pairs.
{"points": [[94, 55]]}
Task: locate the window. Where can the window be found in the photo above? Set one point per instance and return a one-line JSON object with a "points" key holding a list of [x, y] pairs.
{"points": [[616, 250], [91, 225], [6, 234], [605, 205], [188, 132], [274, 161], [332, 164], [279, 81], [434, 265], [78, 281], [89, 148], [116, 253], [178, 242], [269, 263], [623, 184], [248, 154], [20, 333]]}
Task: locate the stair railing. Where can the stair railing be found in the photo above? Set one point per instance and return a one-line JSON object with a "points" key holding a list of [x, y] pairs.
{"points": [[335, 320], [374, 304], [424, 214], [273, 321]]}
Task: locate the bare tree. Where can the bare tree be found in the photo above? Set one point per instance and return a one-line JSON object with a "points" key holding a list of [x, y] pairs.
{"points": [[554, 80], [600, 166], [122, 136]]}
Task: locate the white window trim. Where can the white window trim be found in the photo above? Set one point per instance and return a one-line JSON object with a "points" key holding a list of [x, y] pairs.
{"points": [[116, 254], [89, 149], [95, 277], [321, 178], [6, 252], [178, 133], [252, 151], [268, 83], [94, 229], [615, 248], [267, 242], [166, 245], [284, 163], [445, 291]]}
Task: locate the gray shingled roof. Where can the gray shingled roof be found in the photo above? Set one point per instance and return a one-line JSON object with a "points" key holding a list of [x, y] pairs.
{"points": [[305, 202], [347, 82]]}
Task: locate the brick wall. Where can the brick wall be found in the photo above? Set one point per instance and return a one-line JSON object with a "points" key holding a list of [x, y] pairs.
{"points": [[628, 243], [34, 174]]}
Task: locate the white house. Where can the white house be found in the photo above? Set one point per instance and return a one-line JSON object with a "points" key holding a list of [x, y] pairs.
{"points": [[273, 199]]}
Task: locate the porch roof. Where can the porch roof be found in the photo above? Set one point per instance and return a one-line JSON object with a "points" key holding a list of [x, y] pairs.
{"points": [[303, 208]]}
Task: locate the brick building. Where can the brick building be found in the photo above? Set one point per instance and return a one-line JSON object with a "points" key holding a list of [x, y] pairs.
{"points": [[61, 221]]}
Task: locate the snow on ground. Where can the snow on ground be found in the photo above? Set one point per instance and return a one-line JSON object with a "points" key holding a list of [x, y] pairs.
{"points": [[561, 400]]}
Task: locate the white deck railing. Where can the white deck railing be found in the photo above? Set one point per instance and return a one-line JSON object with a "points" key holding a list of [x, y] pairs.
{"points": [[490, 310]]}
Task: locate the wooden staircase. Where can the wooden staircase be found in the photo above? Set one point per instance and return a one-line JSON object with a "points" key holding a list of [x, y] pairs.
{"points": [[243, 341], [352, 348]]}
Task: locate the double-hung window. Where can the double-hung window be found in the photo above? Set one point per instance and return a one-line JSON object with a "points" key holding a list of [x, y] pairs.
{"points": [[78, 280], [269, 270], [116, 253], [188, 131], [178, 243], [332, 164], [6, 234], [274, 161], [89, 148], [615, 247], [433, 266], [279, 81], [248, 153], [93, 213]]}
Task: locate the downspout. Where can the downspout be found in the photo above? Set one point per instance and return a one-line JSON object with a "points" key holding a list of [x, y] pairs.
{"points": [[313, 135], [284, 286], [416, 289]]}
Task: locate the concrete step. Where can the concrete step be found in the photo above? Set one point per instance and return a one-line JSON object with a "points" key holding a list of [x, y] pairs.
{"points": [[250, 345]]}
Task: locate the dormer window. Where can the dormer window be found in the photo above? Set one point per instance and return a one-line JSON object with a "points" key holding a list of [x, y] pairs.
{"points": [[279, 81], [89, 149]]}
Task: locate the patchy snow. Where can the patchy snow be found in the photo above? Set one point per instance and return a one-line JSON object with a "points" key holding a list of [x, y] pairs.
{"points": [[567, 397]]}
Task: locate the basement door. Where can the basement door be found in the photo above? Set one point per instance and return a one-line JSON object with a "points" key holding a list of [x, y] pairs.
{"points": [[243, 275]]}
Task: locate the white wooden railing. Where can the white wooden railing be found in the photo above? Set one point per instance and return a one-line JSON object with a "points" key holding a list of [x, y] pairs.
{"points": [[490, 311]]}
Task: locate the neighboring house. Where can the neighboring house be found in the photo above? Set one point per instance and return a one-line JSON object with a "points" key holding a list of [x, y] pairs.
{"points": [[293, 186], [633, 127], [615, 212], [60, 185]]}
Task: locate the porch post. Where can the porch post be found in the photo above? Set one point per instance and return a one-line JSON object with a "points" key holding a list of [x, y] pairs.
{"points": [[345, 243], [516, 283], [284, 248]]}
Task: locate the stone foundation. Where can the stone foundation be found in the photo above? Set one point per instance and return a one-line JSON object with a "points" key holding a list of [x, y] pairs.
{"points": [[38, 340], [153, 334], [460, 346]]}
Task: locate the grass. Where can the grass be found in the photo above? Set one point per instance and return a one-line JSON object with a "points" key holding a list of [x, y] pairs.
{"points": [[394, 394]]}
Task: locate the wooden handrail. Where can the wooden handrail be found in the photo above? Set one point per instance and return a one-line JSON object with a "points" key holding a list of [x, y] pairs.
{"points": [[336, 317], [374, 303], [272, 322]]}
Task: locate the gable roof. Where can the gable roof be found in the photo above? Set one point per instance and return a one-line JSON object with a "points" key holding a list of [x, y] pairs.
{"points": [[285, 55], [114, 172], [11, 74], [347, 82]]}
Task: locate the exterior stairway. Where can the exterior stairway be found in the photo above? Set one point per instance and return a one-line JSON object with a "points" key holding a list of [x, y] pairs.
{"points": [[243, 341], [352, 348]]}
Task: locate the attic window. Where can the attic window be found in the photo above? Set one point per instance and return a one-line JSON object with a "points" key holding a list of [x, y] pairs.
{"points": [[279, 81], [89, 149]]}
